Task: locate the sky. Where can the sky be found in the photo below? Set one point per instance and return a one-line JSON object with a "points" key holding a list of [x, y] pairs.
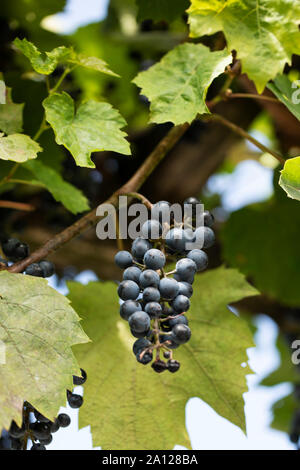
{"points": [[207, 430]]}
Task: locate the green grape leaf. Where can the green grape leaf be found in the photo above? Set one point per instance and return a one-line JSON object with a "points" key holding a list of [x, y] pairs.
{"points": [[46, 62], [290, 178], [123, 398], [11, 115], [72, 198], [37, 329], [287, 92], [262, 241], [283, 412], [178, 84], [94, 127], [18, 148], [92, 63], [265, 34], [158, 10]]}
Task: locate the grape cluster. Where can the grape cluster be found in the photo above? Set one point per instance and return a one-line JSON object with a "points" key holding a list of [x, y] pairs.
{"points": [[15, 251], [155, 302], [40, 429]]}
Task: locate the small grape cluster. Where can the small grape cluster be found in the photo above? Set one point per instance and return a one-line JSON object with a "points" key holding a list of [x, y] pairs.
{"points": [[40, 429], [155, 302], [15, 251]]}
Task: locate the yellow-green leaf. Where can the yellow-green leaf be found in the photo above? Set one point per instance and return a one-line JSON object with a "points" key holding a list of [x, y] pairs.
{"points": [[264, 33], [178, 84], [18, 148], [124, 398], [72, 198], [37, 329], [290, 178], [93, 127], [11, 115], [42, 62], [46, 62]]}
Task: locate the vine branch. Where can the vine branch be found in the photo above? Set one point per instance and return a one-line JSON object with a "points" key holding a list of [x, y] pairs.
{"points": [[20, 206], [91, 219], [245, 135]]}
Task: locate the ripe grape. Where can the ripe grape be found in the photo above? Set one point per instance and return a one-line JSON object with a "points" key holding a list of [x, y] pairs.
{"points": [[132, 274], [128, 290], [80, 380], [168, 288], [178, 320], [63, 420], [144, 358], [181, 303], [199, 257], [123, 259], [153, 309], [140, 344], [154, 259], [159, 366], [185, 268], [149, 278], [151, 294], [139, 321], [185, 288], [128, 308], [206, 236], [181, 333], [74, 400], [139, 248], [173, 366]]}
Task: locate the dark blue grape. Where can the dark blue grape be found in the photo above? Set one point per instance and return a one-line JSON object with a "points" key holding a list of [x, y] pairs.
{"points": [[34, 269], [129, 307], [199, 257], [153, 309], [185, 288], [178, 320], [47, 268], [172, 365], [181, 333], [144, 358], [123, 259], [208, 219], [132, 274], [149, 278], [154, 259], [128, 290], [205, 237], [140, 345], [181, 303], [186, 268], [168, 288], [139, 321], [151, 294], [139, 248]]}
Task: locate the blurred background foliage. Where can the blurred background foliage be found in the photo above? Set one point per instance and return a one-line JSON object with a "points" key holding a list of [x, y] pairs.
{"points": [[258, 226]]}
